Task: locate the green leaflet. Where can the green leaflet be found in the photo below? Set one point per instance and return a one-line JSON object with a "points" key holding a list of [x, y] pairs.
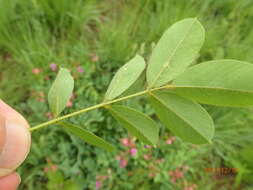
{"points": [[137, 123], [60, 91], [175, 51], [125, 77], [184, 118], [219, 82], [137, 86], [87, 136]]}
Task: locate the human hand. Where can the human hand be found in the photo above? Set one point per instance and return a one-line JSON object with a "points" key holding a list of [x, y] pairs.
{"points": [[15, 141]]}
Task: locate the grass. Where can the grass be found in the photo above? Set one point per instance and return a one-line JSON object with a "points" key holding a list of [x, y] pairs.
{"points": [[100, 36]]}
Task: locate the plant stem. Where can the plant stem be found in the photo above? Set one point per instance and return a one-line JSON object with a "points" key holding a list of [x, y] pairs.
{"points": [[42, 125]]}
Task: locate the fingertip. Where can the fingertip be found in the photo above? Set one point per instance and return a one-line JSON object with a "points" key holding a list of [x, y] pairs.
{"points": [[16, 148], [10, 182], [15, 139]]}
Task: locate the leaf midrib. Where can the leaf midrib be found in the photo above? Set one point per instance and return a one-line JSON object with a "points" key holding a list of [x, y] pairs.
{"points": [[109, 148], [167, 63], [118, 76], [215, 88], [131, 124], [112, 89], [187, 122]]}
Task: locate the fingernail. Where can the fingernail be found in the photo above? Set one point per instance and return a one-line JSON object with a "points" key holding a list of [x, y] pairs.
{"points": [[16, 147]]}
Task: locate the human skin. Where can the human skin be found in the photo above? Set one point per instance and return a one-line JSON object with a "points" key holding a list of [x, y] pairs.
{"points": [[15, 141]]}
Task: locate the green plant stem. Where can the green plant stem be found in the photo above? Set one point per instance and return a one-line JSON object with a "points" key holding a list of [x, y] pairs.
{"points": [[42, 125]]}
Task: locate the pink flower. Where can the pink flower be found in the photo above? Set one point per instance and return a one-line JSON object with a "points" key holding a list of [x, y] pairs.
{"points": [[98, 184], [173, 180], [133, 151], [54, 167], [170, 140], [94, 57], [45, 169], [159, 161], [40, 99], [41, 94], [185, 168], [79, 69], [151, 175], [147, 146], [124, 141], [36, 71], [189, 188], [49, 115], [176, 174], [146, 156], [123, 163], [69, 104], [53, 67]]}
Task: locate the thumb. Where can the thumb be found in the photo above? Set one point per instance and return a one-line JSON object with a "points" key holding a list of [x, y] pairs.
{"points": [[15, 139]]}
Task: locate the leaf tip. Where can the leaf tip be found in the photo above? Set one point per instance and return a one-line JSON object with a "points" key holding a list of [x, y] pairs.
{"points": [[210, 142]]}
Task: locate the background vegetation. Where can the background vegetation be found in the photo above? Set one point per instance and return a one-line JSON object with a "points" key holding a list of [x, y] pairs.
{"points": [[93, 38]]}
